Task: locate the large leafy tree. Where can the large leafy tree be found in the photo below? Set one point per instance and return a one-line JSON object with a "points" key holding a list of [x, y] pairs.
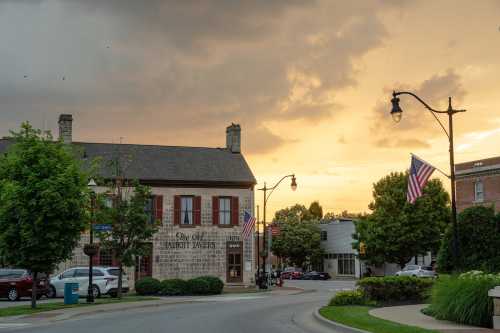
{"points": [[293, 214], [396, 230], [316, 210], [42, 202], [479, 240], [299, 243], [132, 226]]}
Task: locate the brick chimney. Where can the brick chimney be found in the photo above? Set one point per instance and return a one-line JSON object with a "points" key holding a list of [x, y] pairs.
{"points": [[233, 138], [66, 127]]}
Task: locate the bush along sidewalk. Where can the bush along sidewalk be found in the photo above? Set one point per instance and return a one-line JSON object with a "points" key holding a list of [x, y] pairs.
{"points": [[203, 285], [351, 307], [464, 299]]}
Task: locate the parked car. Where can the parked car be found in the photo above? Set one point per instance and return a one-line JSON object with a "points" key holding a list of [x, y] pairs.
{"points": [[291, 273], [315, 276], [104, 281], [16, 283], [417, 271]]}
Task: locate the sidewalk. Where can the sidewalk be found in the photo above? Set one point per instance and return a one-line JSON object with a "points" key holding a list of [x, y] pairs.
{"points": [[411, 315]]}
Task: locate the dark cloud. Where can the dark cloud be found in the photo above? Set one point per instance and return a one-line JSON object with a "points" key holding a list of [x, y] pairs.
{"points": [[180, 69], [416, 121]]}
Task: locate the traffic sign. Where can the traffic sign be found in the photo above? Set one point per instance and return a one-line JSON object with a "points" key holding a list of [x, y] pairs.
{"points": [[102, 227]]}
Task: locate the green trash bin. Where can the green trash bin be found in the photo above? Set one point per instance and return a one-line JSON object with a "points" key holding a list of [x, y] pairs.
{"points": [[71, 293]]}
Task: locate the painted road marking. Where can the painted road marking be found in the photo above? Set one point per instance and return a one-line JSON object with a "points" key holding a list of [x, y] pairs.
{"points": [[227, 298], [13, 325]]}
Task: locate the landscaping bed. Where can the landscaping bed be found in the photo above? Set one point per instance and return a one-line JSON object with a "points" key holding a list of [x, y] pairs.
{"points": [[357, 316]]}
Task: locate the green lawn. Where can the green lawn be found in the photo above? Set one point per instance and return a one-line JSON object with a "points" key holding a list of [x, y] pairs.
{"points": [[43, 307], [358, 317]]}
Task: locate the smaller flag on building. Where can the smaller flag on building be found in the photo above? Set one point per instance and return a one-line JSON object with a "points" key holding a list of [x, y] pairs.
{"points": [[420, 172], [275, 230], [248, 224]]}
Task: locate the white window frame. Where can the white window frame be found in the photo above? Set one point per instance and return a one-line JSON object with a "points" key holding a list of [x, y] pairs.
{"points": [[478, 191], [187, 208], [224, 210]]}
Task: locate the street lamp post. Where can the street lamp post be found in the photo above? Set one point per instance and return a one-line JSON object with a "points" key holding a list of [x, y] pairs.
{"points": [[91, 252], [263, 281], [397, 113]]}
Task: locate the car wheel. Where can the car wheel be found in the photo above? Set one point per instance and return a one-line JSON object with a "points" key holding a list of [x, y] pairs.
{"points": [[52, 292], [13, 295], [95, 291]]}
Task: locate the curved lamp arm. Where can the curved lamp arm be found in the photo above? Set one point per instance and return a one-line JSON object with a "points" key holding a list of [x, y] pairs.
{"points": [[274, 187], [433, 111]]}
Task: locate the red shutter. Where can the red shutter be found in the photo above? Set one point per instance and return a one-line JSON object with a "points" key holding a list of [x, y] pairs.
{"points": [[96, 258], [215, 210], [235, 211], [197, 210], [177, 209], [159, 208]]}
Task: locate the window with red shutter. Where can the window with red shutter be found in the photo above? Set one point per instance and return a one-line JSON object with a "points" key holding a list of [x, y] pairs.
{"points": [[177, 209], [215, 210], [197, 210], [235, 211], [159, 208]]}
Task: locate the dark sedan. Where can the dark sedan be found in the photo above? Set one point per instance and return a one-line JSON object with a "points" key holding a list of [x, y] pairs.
{"points": [[316, 276], [17, 283]]}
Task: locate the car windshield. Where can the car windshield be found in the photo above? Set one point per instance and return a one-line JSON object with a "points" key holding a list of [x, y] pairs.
{"points": [[115, 272], [11, 273], [427, 268]]}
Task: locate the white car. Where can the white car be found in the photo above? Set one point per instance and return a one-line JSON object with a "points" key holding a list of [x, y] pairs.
{"points": [[417, 271], [104, 281]]}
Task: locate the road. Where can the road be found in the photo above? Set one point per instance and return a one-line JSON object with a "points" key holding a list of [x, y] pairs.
{"points": [[219, 314]]}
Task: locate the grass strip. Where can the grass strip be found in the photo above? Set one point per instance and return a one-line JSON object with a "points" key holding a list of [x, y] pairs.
{"points": [[358, 317], [44, 307]]}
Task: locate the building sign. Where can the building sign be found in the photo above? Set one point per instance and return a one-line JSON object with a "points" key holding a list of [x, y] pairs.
{"points": [[196, 240]]}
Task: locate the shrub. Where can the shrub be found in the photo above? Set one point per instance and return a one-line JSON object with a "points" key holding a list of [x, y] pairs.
{"points": [[174, 287], [205, 285], [198, 286], [147, 286], [479, 242], [464, 299], [215, 284], [351, 297], [394, 289]]}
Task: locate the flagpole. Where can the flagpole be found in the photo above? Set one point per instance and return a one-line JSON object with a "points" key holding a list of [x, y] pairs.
{"points": [[442, 172]]}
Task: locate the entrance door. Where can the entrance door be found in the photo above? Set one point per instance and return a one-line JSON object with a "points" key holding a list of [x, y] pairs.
{"points": [[144, 266], [234, 262]]}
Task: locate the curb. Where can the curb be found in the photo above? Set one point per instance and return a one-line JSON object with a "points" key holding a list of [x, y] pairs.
{"points": [[334, 325]]}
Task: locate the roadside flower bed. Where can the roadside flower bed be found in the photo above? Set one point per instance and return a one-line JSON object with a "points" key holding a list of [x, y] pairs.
{"points": [[203, 285], [464, 298]]}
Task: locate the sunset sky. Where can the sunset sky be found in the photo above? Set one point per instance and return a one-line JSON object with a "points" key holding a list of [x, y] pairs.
{"points": [[310, 82]]}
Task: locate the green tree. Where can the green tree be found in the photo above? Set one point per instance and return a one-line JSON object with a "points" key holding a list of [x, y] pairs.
{"points": [[132, 227], [396, 230], [316, 210], [42, 209], [478, 239], [293, 214], [299, 243]]}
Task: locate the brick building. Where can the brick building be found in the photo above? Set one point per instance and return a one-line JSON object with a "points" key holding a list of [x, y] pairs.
{"points": [[478, 183], [199, 194]]}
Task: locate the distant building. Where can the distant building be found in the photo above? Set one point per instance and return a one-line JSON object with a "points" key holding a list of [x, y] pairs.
{"points": [[340, 260], [478, 183]]}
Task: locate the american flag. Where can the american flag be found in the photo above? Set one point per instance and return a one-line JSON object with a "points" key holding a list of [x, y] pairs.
{"points": [[420, 172], [248, 224]]}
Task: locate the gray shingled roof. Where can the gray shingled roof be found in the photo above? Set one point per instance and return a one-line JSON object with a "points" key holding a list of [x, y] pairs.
{"points": [[167, 163]]}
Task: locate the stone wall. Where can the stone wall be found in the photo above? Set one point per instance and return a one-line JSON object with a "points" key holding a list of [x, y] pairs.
{"points": [[186, 252]]}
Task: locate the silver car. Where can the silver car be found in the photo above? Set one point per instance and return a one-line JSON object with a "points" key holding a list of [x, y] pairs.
{"points": [[417, 271]]}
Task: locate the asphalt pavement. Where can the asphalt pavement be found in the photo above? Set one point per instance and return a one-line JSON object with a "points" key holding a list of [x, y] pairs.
{"points": [[259, 312]]}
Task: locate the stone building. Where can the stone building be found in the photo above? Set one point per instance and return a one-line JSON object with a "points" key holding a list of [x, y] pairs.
{"points": [[478, 183], [200, 195]]}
